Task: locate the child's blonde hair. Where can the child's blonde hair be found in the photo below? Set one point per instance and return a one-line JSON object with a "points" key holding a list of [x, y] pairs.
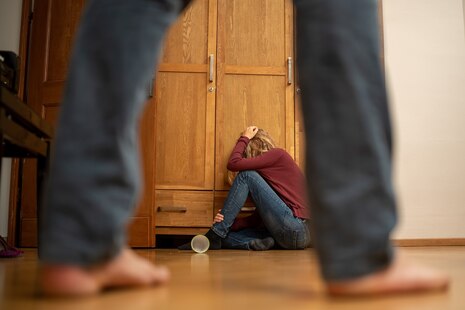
{"points": [[259, 144]]}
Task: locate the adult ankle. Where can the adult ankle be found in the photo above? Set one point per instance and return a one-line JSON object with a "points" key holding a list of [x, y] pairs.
{"points": [[399, 277]]}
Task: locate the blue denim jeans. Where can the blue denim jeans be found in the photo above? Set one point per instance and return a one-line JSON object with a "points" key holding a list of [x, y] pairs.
{"points": [[348, 130], [241, 239], [288, 231], [94, 177]]}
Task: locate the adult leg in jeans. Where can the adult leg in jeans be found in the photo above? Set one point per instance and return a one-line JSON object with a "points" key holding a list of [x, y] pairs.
{"points": [[94, 177], [349, 150], [288, 231]]}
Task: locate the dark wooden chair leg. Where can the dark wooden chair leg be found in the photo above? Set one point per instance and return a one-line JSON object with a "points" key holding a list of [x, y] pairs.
{"points": [[42, 169], [2, 113]]}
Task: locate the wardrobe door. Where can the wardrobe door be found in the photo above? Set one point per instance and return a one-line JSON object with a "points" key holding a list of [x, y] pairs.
{"points": [[255, 75], [185, 102], [53, 27], [52, 37], [185, 123]]}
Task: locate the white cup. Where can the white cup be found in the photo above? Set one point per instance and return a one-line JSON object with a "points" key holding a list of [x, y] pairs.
{"points": [[200, 244]]}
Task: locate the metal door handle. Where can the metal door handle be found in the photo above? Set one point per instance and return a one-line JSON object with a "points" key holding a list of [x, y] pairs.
{"points": [[211, 59], [289, 70]]}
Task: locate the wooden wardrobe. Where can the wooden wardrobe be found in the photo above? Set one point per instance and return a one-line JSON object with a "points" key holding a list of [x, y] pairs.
{"points": [[226, 64]]}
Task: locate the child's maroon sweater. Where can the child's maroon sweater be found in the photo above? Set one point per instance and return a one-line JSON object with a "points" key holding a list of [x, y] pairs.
{"points": [[280, 171]]}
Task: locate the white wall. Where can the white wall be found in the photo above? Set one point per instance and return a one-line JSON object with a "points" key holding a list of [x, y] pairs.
{"points": [[425, 63], [10, 24]]}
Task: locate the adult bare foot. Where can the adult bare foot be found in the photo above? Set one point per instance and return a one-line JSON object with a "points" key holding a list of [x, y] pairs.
{"points": [[400, 277], [125, 270]]}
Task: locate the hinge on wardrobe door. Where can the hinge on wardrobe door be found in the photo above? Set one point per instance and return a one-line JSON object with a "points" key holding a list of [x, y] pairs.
{"points": [[150, 92], [31, 11]]}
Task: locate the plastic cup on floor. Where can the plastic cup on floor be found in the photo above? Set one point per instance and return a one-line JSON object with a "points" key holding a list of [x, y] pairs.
{"points": [[200, 244]]}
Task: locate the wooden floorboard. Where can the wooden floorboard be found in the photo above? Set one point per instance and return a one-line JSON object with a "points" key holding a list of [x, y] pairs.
{"points": [[239, 280]]}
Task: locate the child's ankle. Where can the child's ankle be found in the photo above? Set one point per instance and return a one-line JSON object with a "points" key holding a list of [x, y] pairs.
{"points": [[215, 240]]}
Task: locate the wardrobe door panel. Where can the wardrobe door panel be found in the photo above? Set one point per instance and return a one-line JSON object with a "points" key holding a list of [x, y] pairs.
{"points": [[255, 32], [249, 100], [185, 101], [187, 39], [182, 142], [255, 75]]}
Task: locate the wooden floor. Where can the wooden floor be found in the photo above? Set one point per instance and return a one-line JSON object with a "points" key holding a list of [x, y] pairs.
{"points": [[237, 280]]}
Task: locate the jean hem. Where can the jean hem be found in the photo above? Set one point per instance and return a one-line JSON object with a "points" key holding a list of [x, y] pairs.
{"points": [[219, 233]]}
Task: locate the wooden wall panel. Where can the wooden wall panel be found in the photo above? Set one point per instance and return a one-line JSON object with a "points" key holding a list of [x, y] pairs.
{"points": [[63, 22]]}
